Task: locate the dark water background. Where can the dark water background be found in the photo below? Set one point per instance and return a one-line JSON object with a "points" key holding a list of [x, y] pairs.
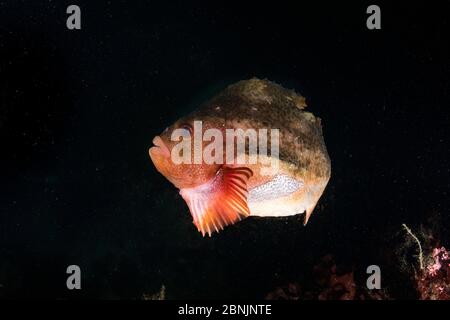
{"points": [[79, 110]]}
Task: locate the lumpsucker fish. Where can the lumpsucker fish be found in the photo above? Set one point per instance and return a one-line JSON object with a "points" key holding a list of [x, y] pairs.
{"points": [[218, 156]]}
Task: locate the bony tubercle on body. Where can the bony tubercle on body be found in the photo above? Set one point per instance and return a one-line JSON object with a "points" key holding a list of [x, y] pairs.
{"points": [[218, 156]]}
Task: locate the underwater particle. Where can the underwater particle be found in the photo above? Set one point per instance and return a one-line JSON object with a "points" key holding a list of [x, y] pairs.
{"points": [[221, 193]]}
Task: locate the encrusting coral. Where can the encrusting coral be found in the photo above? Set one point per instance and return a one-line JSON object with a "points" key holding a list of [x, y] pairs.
{"points": [[330, 283], [433, 277], [434, 282]]}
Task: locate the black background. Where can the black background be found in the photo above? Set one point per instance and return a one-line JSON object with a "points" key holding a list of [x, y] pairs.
{"points": [[79, 110]]}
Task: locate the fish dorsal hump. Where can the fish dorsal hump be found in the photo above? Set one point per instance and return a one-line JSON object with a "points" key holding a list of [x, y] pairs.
{"points": [[257, 91]]}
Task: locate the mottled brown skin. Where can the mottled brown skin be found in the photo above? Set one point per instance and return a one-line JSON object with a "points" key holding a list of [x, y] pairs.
{"points": [[260, 104]]}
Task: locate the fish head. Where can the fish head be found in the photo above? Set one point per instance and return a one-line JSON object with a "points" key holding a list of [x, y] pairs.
{"points": [[173, 154], [190, 155]]}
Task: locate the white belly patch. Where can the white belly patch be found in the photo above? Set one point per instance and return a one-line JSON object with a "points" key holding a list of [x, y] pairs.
{"points": [[280, 186]]}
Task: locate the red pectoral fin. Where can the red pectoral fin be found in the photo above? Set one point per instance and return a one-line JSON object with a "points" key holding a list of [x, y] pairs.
{"points": [[219, 202]]}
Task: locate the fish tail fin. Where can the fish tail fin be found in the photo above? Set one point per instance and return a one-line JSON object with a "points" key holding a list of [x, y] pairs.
{"points": [[314, 196], [308, 213]]}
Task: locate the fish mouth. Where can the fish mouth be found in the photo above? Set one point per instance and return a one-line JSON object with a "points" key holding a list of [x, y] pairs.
{"points": [[159, 147]]}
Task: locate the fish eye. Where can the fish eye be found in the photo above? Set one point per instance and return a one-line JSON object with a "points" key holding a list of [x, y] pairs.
{"points": [[187, 127]]}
